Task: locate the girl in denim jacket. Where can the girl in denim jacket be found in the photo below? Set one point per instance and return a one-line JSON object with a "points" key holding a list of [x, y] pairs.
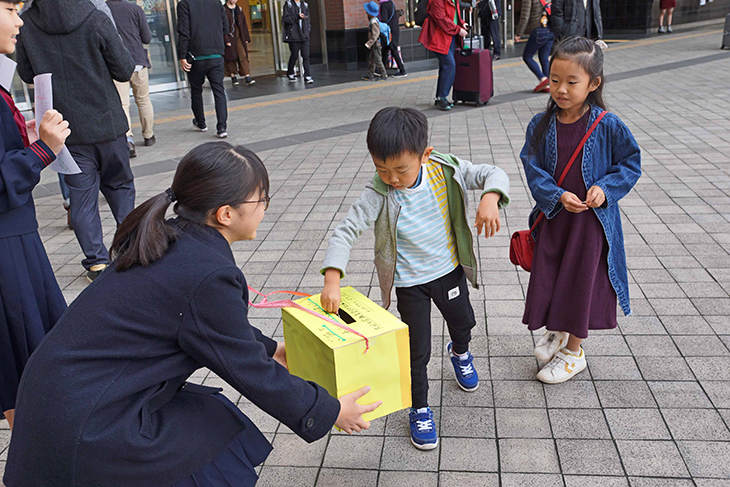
{"points": [[579, 265]]}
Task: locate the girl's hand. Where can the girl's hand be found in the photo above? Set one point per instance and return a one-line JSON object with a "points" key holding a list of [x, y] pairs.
{"points": [[32, 132], [331, 295], [572, 203], [280, 355], [488, 215], [350, 418], [595, 197], [54, 130]]}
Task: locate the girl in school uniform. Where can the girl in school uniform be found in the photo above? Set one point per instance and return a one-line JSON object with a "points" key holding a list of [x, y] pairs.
{"points": [[579, 264], [105, 399], [30, 299]]}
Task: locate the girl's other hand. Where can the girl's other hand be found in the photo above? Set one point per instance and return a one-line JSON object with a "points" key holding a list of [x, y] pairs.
{"points": [[32, 132], [280, 355], [350, 417], [595, 197], [572, 203], [488, 215]]}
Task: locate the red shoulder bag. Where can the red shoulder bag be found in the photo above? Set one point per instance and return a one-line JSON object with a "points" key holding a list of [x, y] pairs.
{"points": [[522, 245]]}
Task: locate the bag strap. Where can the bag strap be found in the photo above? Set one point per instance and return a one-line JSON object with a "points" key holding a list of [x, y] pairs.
{"points": [[571, 161], [288, 303]]}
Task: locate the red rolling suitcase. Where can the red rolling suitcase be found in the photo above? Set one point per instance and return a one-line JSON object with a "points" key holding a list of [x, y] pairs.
{"points": [[474, 80]]}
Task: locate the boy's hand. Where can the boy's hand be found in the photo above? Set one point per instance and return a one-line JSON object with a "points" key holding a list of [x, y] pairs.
{"points": [[31, 129], [331, 294], [488, 215], [572, 203], [595, 197], [54, 130], [350, 417]]}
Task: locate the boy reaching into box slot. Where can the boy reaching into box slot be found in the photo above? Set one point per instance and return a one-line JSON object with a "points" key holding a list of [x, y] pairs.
{"points": [[423, 244]]}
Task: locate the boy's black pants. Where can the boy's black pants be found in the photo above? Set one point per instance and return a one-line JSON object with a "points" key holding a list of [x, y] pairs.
{"points": [[414, 306]]}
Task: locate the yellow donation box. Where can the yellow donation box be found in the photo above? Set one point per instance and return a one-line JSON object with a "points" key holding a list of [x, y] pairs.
{"points": [[336, 359]]}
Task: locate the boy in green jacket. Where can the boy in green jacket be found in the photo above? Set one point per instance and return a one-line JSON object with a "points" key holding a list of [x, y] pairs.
{"points": [[423, 244]]}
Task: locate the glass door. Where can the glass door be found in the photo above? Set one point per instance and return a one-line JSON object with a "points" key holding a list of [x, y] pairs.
{"points": [[164, 71], [259, 17]]}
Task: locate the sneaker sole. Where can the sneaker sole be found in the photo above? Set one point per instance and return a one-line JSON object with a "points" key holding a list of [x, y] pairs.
{"points": [[426, 447], [560, 381]]}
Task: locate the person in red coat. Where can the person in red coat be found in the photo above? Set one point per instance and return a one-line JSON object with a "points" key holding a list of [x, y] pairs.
{"points": [[439, 34]]}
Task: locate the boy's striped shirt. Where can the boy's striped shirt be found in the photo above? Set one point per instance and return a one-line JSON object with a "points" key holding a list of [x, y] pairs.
{"points": [[426, 247]]}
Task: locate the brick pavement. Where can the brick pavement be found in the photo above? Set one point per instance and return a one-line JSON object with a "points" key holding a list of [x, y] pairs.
{"points": [[652, 409]]}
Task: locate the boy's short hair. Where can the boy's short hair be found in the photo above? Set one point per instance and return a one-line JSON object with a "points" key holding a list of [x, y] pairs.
{"points": [[394, 131]]}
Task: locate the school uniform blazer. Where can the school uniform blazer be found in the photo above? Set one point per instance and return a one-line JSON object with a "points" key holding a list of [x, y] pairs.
{"points": [[104, 400]]}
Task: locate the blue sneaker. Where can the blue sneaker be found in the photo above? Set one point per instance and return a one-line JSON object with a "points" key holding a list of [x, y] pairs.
{"points": [[423, 429], [466, 375]]}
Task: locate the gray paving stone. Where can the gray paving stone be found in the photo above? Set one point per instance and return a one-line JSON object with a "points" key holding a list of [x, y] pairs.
{"points": [[523, 423], [701, 346], [469, 478], [589, 457], [335, 477], [710, 368], [718, 392], [579, 423], [651, 458], [467, 422], [400, 454], [353, 452], [659, 482], [290, 476], [664, 368], [679, 395], [405, 479], [652, 346], [290, 450], [468, 454], [528, 456], [518, 394], [613, 368], [637, 424], [616, 394], [696, 424], [572, 394], [706, 458], [594, 481], [531, 479]]}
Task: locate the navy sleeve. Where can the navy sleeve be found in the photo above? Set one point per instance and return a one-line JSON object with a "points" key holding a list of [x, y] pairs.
{"points": [[183, 29], [218, 335], [144, 28], [116, 56], [20, 172]]}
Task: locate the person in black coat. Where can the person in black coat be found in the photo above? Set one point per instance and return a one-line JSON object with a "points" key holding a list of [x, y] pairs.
{"points": [[79, 45], [105, 399], [30, 299], [201, 27], [574, 18], [389, 15], [297, 27]]}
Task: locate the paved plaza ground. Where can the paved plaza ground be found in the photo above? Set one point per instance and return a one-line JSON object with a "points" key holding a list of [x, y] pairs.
{"points": [[653, 407]]}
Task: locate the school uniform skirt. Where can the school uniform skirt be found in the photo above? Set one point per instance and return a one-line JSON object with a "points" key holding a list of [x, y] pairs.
{"points": [[235, 465], [30, 304]]}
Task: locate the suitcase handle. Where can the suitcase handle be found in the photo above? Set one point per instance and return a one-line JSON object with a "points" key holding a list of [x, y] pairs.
{"points": [[466, 51]]}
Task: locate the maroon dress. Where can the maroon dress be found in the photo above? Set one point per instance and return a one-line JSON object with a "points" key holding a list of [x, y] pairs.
{"points": [[569, 287]]}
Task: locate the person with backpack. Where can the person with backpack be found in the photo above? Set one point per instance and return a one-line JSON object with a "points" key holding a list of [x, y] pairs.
{"points": [[441, 27], [389, 15], [379, 33], [535, 16]]}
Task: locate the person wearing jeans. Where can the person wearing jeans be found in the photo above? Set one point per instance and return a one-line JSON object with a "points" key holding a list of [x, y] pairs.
{"points": [[534, 17], [439, 35], [201, 27]]}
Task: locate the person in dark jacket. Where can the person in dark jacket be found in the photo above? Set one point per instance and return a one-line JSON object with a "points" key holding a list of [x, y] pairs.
{"points": [[80, 46], [389, 15], [132, 26], [104, 399], [297, 27], [201, 26], [577, 18], [490, 27], [30, 299], [237, 41]]}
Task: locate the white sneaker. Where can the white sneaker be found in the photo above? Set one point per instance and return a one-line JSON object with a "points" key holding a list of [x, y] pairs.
{"points": [[562, 367], [549, 344]]}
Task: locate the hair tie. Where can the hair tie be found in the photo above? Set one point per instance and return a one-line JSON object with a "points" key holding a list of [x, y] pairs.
{"points": [[601, 45], [171, 195]]}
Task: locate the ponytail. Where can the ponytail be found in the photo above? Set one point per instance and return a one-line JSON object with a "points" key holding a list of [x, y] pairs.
{"points": [[208, 177]]}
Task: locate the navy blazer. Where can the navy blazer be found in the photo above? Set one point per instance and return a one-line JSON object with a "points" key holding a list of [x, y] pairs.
{"points": [[20, 172], [103, 400]]}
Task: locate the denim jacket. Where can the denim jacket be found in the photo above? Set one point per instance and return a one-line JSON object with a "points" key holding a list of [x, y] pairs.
{"points": [[611, 161]]}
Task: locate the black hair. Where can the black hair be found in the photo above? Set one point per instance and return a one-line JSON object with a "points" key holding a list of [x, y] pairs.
{"points": [[211, 175], [394, 131], [589, 56]]}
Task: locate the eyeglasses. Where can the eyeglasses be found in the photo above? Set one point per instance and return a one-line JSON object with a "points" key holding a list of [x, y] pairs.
{"points": [[266, 199]]}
